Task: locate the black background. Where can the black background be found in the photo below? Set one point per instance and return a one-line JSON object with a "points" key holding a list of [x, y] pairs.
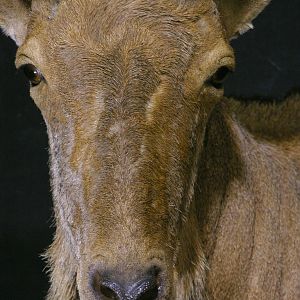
{"points": [[268, 65]]}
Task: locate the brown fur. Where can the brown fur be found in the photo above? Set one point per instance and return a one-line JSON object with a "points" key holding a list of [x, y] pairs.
{"points": [[150, 164]]}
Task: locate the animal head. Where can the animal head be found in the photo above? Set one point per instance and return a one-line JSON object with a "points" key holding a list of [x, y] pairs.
{"points": [[126, 89]]}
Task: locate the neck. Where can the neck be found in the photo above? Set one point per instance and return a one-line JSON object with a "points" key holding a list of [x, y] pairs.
{"points": [[242, 201]]}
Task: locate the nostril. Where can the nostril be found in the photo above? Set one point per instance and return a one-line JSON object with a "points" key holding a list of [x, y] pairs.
{"points": [[148, 288], [108, 292], [106, 289], [150, 294]]}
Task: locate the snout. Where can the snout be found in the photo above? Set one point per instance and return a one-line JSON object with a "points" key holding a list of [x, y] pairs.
{"points": [[117, 285]]}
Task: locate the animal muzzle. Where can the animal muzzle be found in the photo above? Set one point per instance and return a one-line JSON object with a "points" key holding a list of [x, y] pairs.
{"points": [[112, 285]]}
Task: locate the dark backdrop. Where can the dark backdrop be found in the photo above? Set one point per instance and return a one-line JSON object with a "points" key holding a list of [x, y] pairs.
{"points": [[268, 64]]}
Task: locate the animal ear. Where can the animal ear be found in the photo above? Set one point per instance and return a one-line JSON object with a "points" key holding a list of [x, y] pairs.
{"points": [[237, 15], [14, 17]]}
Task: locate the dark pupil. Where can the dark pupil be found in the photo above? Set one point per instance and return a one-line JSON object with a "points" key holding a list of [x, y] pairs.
{"points": [[218, 78], [221, 74], [33, 74]]}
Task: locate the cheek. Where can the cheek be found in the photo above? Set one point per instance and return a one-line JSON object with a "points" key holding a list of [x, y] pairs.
{"points": [[193, 81], [51, 105], [39, 95]]}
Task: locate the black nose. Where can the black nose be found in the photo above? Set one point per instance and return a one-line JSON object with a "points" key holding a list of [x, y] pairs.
{"points": [[145, 289], [107, 288]]}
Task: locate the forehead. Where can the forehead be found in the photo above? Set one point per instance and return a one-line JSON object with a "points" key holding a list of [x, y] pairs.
{"points": [[102, 22], [111, 13], [151, 37]]}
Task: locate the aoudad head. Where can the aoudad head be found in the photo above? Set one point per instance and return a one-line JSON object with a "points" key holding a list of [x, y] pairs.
{"points": [[125, 89]]}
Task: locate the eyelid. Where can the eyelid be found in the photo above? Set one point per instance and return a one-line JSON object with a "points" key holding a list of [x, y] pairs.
{"points": [[23, 59]]}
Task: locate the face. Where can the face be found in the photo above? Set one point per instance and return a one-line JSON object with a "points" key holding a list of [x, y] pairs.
{"points": [[125, 89]]}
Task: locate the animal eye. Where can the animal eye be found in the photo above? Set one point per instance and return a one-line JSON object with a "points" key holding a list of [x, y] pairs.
{"points": [[33, 74], [219, 77]]}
